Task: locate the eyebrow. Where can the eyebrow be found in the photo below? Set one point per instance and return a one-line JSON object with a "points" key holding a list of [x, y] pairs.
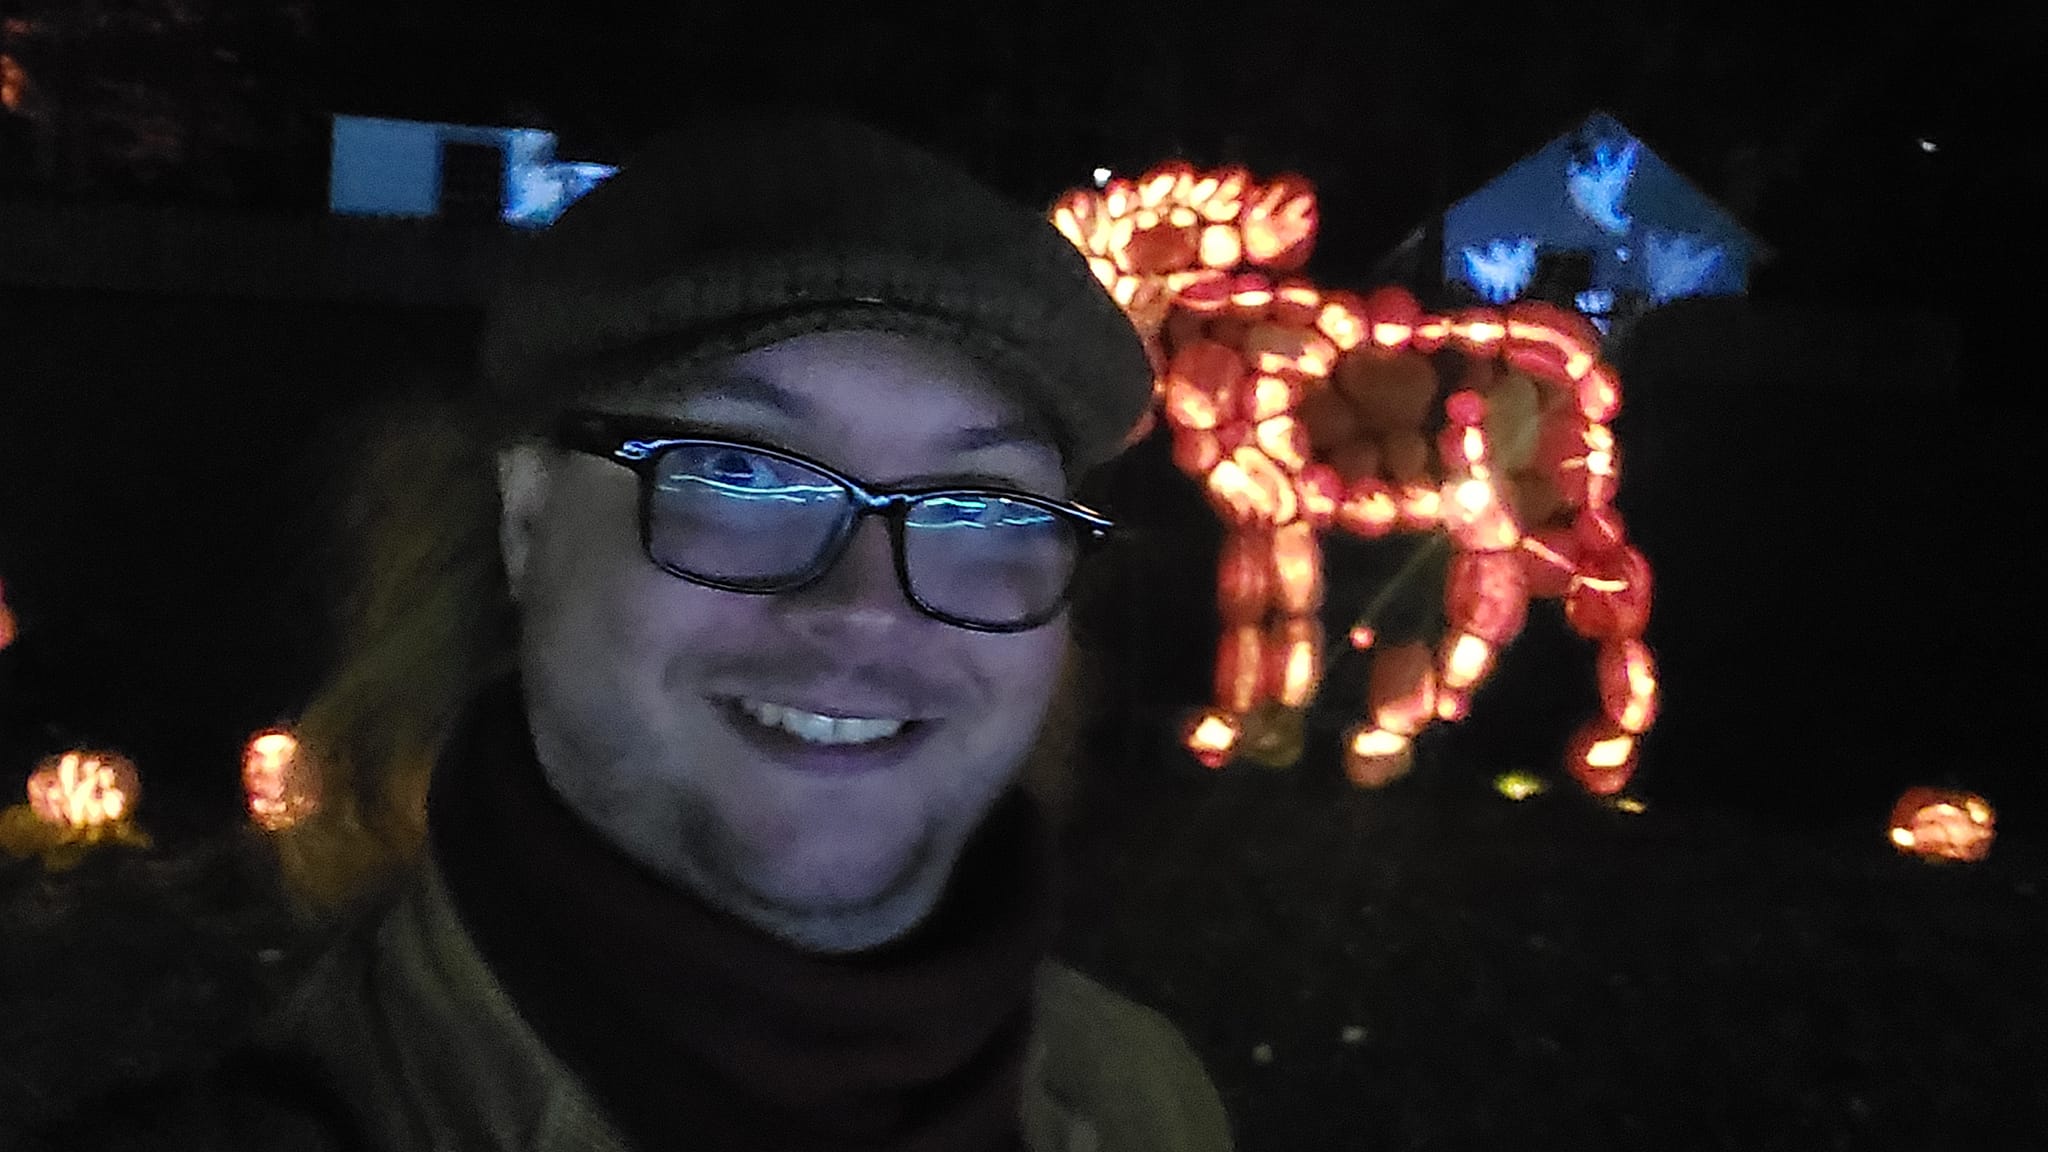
{"points": [[730, 384], [746, 388]]}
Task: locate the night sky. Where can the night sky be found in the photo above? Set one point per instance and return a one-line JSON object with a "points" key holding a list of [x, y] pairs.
{"points": [[1810, 130]]}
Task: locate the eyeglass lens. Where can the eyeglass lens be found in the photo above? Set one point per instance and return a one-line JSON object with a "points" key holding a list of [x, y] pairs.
{"points": [[736, 516]]}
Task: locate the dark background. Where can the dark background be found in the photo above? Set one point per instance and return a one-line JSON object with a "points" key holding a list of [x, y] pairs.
{"points": [[1844, 604], [1835, 478]]}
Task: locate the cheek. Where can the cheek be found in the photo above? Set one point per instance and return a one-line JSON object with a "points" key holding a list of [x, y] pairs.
{"points": [[1022, 672], [600, 612], [629, 622]]}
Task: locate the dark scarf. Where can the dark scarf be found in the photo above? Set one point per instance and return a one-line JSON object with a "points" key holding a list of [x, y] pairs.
{"points": [[692, 1029]]}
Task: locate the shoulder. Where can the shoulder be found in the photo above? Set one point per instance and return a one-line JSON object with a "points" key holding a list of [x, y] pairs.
{"points": [[1122, 1071], [409, 1026]]}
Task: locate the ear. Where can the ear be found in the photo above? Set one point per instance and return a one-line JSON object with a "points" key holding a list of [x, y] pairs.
{"points": [[523, 482]]}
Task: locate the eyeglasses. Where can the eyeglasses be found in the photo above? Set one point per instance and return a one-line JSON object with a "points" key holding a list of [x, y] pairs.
{"points": [[750, 518]]}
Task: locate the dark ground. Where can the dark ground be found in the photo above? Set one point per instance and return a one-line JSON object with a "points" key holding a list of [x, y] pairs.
{"points": [[1429, 967]]}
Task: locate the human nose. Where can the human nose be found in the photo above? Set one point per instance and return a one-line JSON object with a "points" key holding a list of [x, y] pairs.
{"points": [[859, 593]]}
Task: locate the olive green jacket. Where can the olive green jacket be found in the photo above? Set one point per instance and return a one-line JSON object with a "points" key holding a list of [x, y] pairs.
{"points": [[410, 1029]]}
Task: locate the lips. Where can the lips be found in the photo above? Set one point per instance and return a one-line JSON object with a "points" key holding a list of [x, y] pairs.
{"points": [[776, 743]]}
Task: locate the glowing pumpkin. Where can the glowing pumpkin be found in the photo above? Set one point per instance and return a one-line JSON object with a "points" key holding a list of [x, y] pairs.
{"points": [[1211, 736], [1294, 661], [1609, 597], [8, 627], [1487, 594], [1401, 690], [1298, 570], [1244, 577], [83, 789], [1464, 661], [1240, 667], [1943, 824], [1602, 758], [1375, 757], [1628, 685], [273, 781]]}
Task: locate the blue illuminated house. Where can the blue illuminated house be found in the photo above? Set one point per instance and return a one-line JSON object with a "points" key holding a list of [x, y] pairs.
{"points": [[1593, 218], [418, 169]]}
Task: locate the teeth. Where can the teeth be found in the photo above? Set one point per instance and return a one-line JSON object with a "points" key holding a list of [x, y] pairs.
{"points": [[818, 729]]}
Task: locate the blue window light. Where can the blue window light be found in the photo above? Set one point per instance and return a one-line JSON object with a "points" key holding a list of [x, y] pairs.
{"points": [[392, 168], [1503, 269], [1598, 182], [1678, 265]]}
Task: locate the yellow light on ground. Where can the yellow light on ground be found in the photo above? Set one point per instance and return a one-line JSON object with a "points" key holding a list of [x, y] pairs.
{"points": [[1519, 785], [1630, 805]]}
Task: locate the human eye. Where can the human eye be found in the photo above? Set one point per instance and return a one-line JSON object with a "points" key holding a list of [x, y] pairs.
{"points": [[730, 470], [965, 510], [740, 469]]}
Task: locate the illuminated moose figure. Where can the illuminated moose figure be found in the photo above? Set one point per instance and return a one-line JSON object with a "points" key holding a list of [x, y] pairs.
{"points": [[1300, 409]]}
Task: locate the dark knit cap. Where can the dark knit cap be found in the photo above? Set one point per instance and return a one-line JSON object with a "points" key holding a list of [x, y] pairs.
{"points": [[734, 233]]}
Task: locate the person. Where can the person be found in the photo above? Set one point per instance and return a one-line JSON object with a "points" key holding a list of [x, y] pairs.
{"points": [[724, 692]]}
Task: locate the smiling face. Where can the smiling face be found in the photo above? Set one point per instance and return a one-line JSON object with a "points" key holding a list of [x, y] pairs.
{"points": [[685, 723]]}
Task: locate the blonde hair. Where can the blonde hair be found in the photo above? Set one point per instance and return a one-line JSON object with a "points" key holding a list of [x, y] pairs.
{"points": [[424, 620]]}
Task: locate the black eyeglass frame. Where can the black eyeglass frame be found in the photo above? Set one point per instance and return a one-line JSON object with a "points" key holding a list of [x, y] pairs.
{"points": [[637, 443]]}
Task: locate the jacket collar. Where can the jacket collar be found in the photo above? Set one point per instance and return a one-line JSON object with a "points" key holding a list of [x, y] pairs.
{"points": [[410, 1023]]}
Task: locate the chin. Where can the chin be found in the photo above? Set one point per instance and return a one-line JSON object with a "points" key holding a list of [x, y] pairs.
{"points": [[846, 883], [836, 897], [837, 920]]}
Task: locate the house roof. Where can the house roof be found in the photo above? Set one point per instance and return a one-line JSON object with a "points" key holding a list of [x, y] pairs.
{"points": [[1602, 122]]}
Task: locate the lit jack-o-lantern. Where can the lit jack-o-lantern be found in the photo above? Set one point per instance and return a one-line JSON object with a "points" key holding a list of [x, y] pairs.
{"points": [[1943, 824], [82, 790], [1375, 757], [274, 781]]}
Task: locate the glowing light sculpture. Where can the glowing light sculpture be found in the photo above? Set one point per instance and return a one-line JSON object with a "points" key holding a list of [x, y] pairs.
{"points": [[275, 785], [1598, 181], [1678, 265], [1300, 410], [1943, 824], [76, 799], [1502, 269]]}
